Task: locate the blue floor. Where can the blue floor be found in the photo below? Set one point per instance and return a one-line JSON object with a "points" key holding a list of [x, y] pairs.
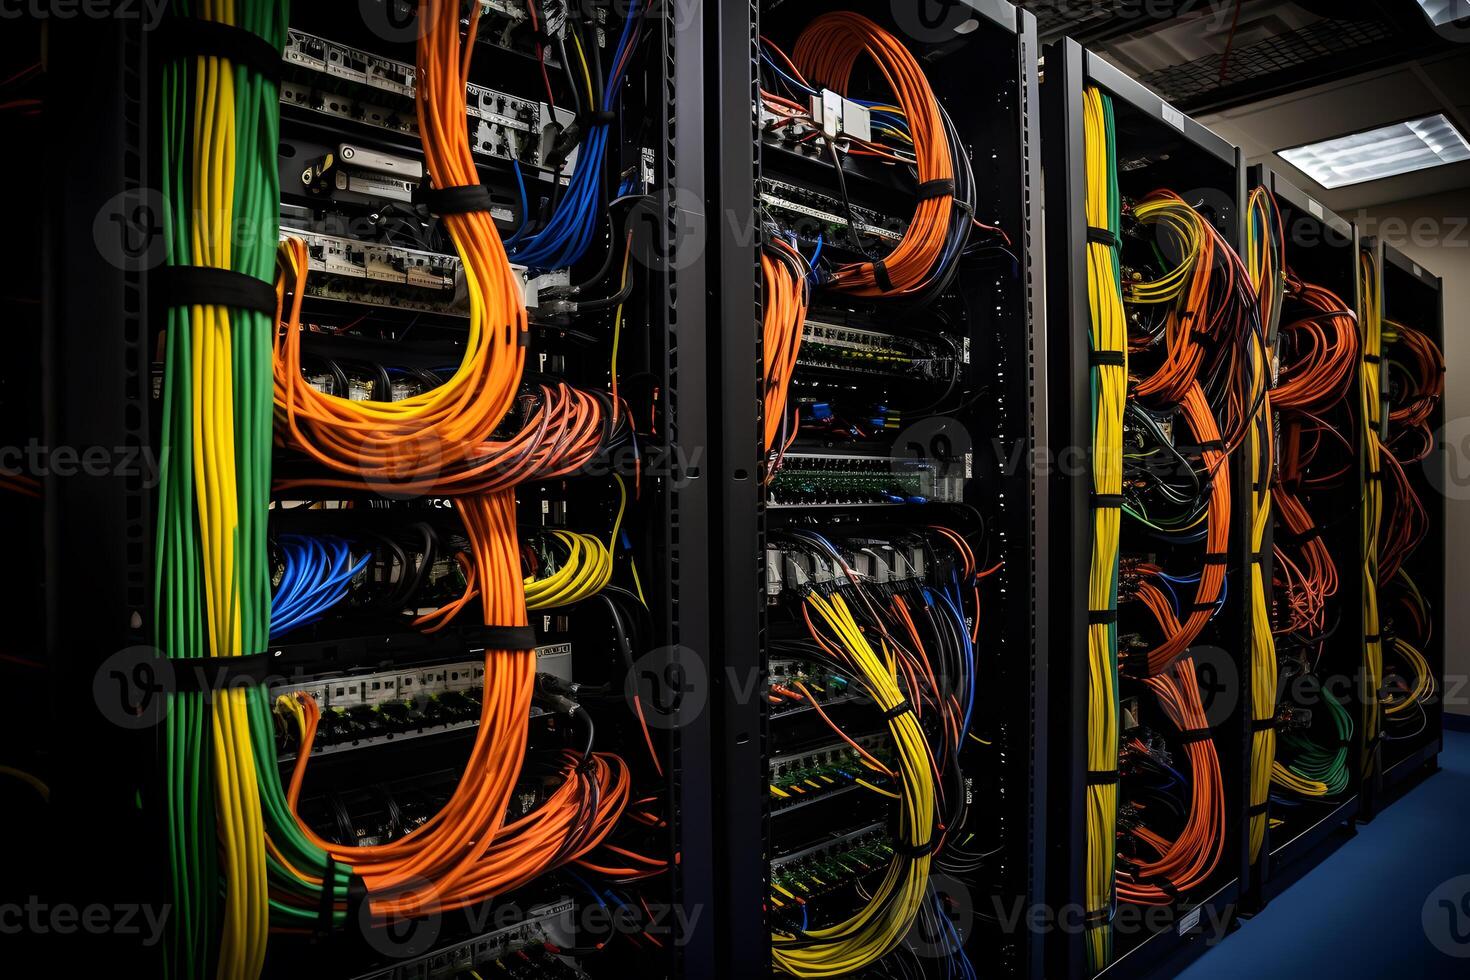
{"points": [[1366, 910]]}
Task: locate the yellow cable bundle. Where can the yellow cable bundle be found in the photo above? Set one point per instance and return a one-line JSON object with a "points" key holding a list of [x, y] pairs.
{"points": [[882, 923], [1263, 640], [1424, 682], [586, 570], [1371, 407], [1109, 335], [1268, 284]]}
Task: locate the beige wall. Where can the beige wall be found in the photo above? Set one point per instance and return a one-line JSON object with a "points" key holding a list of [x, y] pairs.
{"points": [[1435, 232]]}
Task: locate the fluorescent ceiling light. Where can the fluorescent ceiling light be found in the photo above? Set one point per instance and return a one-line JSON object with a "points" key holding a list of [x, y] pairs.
{"points": [[1384, 152], [1441, 12]]}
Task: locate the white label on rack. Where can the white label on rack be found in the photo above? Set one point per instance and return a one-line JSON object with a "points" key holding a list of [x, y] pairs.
{"points": [[1173, 116], [1314, 207], [1418, 272], [1189, 922]]}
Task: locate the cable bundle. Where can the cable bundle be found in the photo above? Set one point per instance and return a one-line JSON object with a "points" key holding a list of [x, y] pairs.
{"points": [[827, 52], [316, 574], [1371, 411], [212, 591], [1109, 372], [1422, 390], [785, 301]]}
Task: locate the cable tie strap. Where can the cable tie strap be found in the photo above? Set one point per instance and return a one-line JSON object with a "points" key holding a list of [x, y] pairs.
{"points": [[1299, 537], [1098, 917], [1107, 501], [357, 897], [194, 37], [502, 637], [1191, 735], [325, 904], [1372, 637], [1102, 236], [201, 674], [602, 117], [930, 189], [880, 276], [1162, 884], [1372, 358], [203, 285], [1101, 617], [463, 199], [1216, 558], [1258, 557], [1259, 809], [1263, 724], [1376, 476], [917, 850], [1107, 358], [1208, 607], [903, 707], [1211, 446], [1102, 777]]}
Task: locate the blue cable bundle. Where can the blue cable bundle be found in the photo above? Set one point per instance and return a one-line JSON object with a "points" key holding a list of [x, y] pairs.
{"points": [[570, 232], [317, 575]]}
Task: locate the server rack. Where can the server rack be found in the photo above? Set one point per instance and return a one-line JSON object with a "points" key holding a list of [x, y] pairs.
{"points": [[1321, 247], [980, 47], [1157, 146], [100, 388], [1411, 295]]}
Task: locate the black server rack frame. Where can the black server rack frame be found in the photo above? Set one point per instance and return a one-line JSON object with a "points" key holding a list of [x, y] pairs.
{"points": [[100, 388], [736, 165], [1165, 143], [1413, 295], [1323, 247]]}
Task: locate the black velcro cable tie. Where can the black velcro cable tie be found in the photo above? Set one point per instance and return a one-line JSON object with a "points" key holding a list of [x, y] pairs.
{"points": [[325, 905], [194, 37], [1101, 617], [1299, 537], [1107, 358], [880, 276], [1191, 735], [1263, 724], [1373, 638], [1373, 358], [1211, 446], [930, 189], [1102, 777], [917, 850], [1259, 809], [462, 199], [1216, 558], [902, 708], [1107, 501], [1102, 236], [1258, 558], [174, 286], [1376, 476], [1162, 884], [357, 898], [602, 117], [200, 674], [1098, 917], [503, 637], [1208, 607]]}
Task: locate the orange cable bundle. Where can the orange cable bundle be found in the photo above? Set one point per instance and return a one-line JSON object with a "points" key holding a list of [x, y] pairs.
{"points": [[1190, 859], [1308, 584], [1326, 343], [786, 297], [1423, 397], [826, 53]]}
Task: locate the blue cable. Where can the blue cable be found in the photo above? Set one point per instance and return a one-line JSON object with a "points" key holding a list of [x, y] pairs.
{"points": [[569, 233], [314, 580]]}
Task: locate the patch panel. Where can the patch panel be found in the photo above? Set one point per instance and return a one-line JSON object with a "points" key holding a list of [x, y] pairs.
{"points": [[813, 215], [808, 479], [527, 949], [856, 350], [354, 85]]}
